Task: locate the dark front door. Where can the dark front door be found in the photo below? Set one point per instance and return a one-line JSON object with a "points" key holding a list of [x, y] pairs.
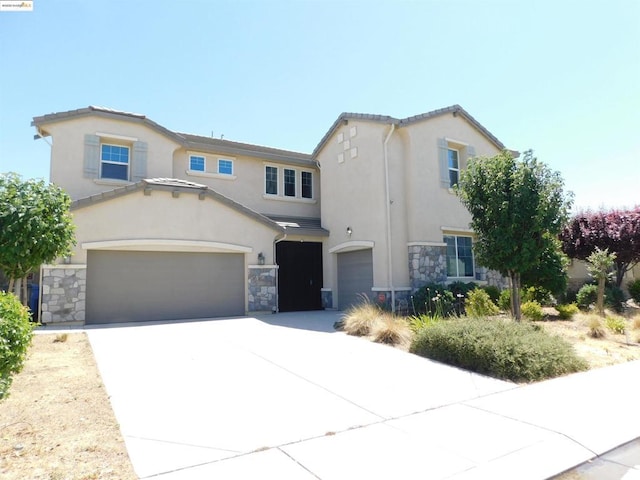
{"points": [[299, 275]]}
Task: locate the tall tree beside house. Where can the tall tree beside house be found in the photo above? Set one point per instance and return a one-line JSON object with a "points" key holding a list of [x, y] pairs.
{"points": [[35, 227], [617, 231], [515, 206]]}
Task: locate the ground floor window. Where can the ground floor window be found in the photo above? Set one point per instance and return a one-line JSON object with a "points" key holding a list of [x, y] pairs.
{"points": [[459, 256]]}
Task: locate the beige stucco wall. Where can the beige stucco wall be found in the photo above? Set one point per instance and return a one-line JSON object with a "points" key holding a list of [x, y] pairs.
{"points": [[354, 191], [247, 184], [353, 196], [429, 206], [160, 216], [67, 153]]}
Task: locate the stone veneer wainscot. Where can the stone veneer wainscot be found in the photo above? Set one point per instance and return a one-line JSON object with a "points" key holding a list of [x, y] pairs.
{"points": [[63, 294]]}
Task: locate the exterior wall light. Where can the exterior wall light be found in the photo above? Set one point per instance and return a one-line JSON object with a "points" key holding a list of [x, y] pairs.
{"points": [[349, 231], [260, 258]]}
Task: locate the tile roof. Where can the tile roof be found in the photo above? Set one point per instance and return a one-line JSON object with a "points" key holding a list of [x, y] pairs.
{"points": [[187, 140], [173, 185], [402, 122]]}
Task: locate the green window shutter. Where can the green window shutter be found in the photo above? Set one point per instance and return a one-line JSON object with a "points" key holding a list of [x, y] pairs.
{"points": [[444, 163], [139, 161], [91, 166]]}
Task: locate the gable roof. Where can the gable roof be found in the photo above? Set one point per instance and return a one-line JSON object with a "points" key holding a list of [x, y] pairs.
{"points": [[455, 110], [176, 185], [186, 140]]}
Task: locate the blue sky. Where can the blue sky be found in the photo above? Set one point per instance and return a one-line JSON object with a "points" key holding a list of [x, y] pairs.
{"points": [[561, 77]]}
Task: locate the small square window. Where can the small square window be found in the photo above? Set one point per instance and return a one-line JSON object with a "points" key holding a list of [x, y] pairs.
{"points": [[196, 163], [225, 167]]}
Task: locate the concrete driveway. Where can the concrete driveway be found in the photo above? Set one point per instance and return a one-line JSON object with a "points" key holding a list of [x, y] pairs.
{"points": [[285, 397]]}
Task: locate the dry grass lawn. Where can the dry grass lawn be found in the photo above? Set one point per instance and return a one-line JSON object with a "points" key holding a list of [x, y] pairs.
{"points": [[57, 423]]}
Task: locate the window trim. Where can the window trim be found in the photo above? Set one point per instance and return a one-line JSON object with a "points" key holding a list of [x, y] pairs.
{"points": [[302, 172], [451, 169], [225, 159], [284, 183], [127, 164], [473, 259], [204, 163], [277, 171]]}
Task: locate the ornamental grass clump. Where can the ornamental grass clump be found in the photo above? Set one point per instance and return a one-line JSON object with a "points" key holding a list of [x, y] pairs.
{"points": [[516, 351], [359, 320], [391, 330]]}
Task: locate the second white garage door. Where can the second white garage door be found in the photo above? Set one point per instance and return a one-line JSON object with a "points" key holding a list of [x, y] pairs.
{"points": [[126, 286]]}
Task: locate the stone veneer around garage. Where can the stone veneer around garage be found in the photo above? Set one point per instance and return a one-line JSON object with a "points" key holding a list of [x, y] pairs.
{"points": [[262, 288], [63, 294]]}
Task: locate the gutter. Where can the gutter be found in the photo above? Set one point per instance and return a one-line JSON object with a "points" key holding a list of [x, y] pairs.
{"points": [[388, 212]]}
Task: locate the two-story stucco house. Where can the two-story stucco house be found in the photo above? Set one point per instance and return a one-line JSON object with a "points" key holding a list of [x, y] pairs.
{"points": [[174, 226]]}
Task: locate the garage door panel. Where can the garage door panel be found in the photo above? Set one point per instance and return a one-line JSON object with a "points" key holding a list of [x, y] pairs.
{"points": [[140, 286], [355, 277]]}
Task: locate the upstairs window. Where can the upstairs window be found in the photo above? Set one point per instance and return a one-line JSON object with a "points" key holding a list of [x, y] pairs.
{"points": [[114, 162], [453, 163], [225, 166], [459, 256], [453, 156], [196, 163], [307, 184], [271, 181], [289, 182]]}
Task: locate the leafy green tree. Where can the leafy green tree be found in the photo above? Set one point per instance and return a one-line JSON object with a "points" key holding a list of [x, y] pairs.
{"points": [[35, 226], [515, 206], [600, 264], [550, 272]]}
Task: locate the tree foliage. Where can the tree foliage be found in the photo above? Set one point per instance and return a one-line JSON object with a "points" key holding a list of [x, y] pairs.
{"points": [[617, 231], [515, 205], [599, 265], [35, 224]]}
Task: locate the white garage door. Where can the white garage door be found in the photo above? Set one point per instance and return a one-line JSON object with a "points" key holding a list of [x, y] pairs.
{"points": [[126, 286], [355, 277]]}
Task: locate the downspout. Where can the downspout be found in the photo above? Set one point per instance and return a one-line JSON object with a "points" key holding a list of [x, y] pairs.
{"points": [[388, 211], [277, 240]]}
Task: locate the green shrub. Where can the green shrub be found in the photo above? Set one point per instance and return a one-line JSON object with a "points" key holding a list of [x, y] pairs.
{"points": [[504, 302], [493, 292], [460, 290], [634, 290], [587, 295], [504, 349], [532, 310], [565, 312], [15, 337], [616, 324], [614, 298], [479, 304], [536, 294]]}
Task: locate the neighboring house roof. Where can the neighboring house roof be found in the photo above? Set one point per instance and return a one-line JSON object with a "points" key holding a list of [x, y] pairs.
{"points": [[175, 185], [189, 141], [403, 122], [300, 225]]}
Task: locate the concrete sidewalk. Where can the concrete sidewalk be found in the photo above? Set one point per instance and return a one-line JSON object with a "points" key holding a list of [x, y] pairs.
{"points": [[284, 396]]}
